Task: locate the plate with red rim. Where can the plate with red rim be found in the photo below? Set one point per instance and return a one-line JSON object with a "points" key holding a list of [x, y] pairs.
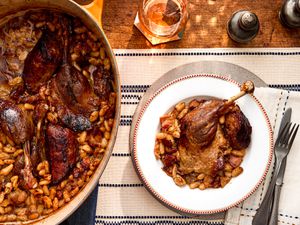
{"points": [[165, 94]]}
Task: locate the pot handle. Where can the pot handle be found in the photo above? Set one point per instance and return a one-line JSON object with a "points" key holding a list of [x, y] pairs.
{"points": [[95, 8]]}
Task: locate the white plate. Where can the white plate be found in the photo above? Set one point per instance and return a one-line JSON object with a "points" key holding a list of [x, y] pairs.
{"points": [[255, 164]]}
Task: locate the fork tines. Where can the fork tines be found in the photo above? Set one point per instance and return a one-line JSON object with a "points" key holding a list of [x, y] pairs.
{"points": [[287, 135]]}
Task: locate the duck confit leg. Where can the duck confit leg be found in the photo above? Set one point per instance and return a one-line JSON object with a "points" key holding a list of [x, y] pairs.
{"points": [[42, 62], [72, 94], [15, 123], [18, 126], [200, 125]]}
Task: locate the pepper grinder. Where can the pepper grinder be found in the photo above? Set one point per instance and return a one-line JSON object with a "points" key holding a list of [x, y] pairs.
{"points": [[243, 26], [289, 14]]}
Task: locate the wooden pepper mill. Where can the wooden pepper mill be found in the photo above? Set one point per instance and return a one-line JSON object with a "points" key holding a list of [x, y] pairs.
{"points": [[243, 26], [289, 14]]}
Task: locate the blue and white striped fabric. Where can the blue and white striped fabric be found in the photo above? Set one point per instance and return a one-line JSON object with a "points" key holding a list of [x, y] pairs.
{"points": [[275, 102], [122, 198]]}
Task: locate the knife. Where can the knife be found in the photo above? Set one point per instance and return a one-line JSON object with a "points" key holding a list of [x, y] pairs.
{"points": [[279, 181]]}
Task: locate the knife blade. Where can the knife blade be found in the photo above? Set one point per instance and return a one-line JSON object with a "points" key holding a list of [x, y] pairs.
{"points": [[273, 219], [285, 119]]}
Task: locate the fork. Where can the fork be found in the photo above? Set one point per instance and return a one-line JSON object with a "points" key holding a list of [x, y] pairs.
{"points": [[283, 145]]}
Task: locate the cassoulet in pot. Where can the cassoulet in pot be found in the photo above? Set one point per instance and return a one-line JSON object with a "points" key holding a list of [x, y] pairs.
{"points": [[57, 106]]}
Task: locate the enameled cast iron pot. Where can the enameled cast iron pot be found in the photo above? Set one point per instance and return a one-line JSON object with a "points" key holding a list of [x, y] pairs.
{"points": [[90, 15]]}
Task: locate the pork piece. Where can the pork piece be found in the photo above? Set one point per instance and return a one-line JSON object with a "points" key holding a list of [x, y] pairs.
{"points": [[42, 62], [102, 83], [200, 125], [62, 151], [235, 161], [237, 128], [15, 123]]}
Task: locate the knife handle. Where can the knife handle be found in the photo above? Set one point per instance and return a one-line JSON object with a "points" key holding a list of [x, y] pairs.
{"points": [[274, 213]]}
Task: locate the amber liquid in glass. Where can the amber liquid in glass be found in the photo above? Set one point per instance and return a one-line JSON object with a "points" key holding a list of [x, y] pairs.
{"points": [[163, 16]]}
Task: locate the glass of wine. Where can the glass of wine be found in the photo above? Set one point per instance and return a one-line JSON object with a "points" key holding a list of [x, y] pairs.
{"points": [[162, 20]]}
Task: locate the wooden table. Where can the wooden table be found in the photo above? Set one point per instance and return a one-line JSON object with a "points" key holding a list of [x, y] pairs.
{"points": [[206, 27]]}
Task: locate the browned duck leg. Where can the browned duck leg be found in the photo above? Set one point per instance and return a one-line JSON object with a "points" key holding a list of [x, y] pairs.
{"points": [[42, 62], [71, 92], [18, 126], [200, 125], [15, 123]]}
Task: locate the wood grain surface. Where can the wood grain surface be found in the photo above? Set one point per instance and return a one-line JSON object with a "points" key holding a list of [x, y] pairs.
{"points": [[206, 27]]}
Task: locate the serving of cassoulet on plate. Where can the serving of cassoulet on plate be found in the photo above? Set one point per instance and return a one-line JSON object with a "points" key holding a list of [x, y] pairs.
{"points": [[202, 143]]}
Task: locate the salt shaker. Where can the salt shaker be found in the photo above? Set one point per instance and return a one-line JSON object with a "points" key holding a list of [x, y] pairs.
{"points": [[243, 26], [290, 13]]}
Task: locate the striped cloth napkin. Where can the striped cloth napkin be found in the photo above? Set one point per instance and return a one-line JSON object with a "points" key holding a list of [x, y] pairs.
{"points": [[122, 198], [275, 102]]}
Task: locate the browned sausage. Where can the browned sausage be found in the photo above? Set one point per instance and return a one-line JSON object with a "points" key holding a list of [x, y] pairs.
{"points": [[62, 151]]}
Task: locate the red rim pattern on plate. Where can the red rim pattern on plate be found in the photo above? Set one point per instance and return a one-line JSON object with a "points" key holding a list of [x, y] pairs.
{"points": [[161, 198]]}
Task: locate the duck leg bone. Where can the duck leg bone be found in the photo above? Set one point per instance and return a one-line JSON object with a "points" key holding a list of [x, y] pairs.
{"points": [[29, 179], [246, 88]]}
